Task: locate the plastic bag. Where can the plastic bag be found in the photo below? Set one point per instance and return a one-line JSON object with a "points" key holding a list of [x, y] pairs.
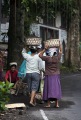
{"points": [[22, 70]]}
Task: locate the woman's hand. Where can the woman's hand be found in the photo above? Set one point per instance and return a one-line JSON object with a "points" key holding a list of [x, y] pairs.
{"points": [[60, 48], [46, 47]]}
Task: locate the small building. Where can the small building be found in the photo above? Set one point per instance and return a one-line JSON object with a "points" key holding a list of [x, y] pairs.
{"points": [[4, 24], [48, 31], [4, 31]]}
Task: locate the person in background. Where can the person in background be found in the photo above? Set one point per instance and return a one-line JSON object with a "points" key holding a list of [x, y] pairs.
{"points": [[41, 83], [12, 74], [39, 48], [32, 71], [1, 66], [52, 86]]}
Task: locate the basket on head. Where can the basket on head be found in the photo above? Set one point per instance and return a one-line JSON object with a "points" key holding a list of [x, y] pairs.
{"points": [[52, 43], [33, 40]]}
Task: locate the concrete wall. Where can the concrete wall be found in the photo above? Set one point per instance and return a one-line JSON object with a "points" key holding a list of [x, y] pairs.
{"points": [[4, 29], [4, 25], [58, 20]]}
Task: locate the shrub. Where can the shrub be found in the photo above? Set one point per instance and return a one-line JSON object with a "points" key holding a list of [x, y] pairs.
{"points": [[66, 69], [4, 93]]}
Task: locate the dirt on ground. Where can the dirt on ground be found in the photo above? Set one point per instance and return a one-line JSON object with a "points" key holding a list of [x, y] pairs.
{"points": [[17, 113]]}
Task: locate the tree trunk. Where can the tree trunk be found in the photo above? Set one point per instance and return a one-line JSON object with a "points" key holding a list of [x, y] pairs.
{"points": [[73, 56], [11, 32], [16, 32], [18, 45]]}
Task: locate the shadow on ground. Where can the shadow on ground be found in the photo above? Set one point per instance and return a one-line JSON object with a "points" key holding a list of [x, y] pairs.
{"points": [[25, 99]]}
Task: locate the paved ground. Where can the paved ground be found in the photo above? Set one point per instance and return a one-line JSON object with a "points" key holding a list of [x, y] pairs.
{"points": [[70, 105]]}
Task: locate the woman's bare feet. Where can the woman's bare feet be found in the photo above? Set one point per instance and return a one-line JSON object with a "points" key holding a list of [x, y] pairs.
{"points": [[48, 104], [31, 104], [56, 104]]}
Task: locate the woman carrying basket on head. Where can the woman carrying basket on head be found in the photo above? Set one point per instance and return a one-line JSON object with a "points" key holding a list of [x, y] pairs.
{"points": [[52, 87]]}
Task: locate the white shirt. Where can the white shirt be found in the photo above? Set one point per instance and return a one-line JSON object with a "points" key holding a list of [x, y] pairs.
{"points": [[33, 63]]}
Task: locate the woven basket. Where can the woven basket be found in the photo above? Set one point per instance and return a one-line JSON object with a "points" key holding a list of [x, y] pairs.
{"points": [[33, 41], [52, 43]]}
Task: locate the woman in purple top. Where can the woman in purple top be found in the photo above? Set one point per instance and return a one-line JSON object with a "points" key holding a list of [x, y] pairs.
{"points": [[52, 87]]}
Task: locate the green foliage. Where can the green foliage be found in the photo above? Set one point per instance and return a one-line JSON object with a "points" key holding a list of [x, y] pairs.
{"points": [[5, 7], [47, 9], [80, 50], [31, 6], [65, 69], [44, 9], [4, 93]]}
